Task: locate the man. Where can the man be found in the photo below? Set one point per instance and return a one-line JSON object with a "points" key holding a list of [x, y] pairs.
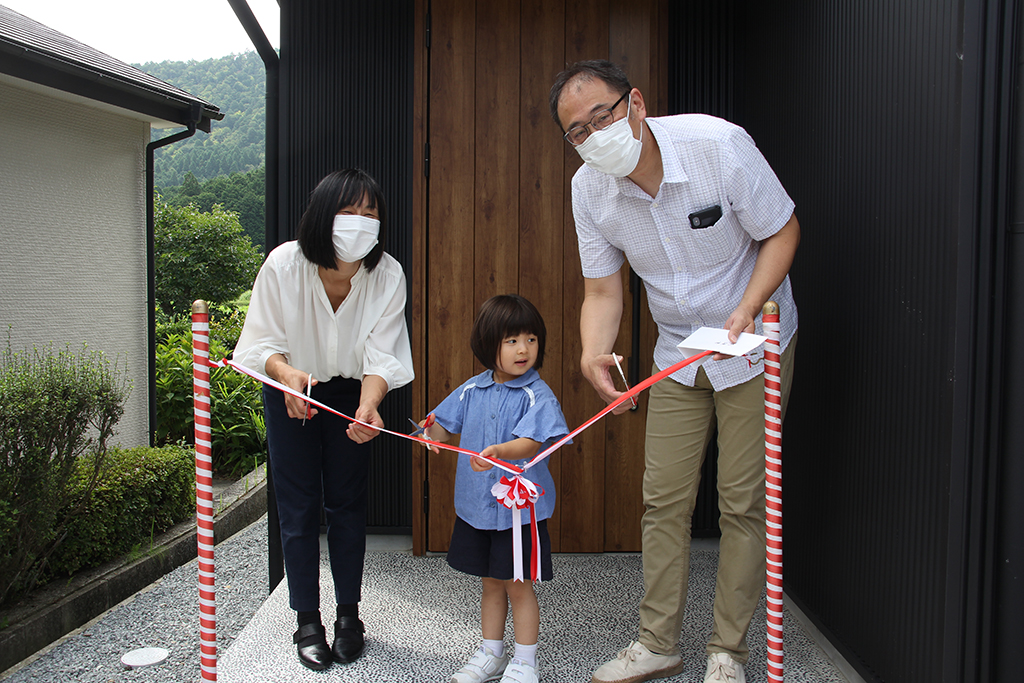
{"points": [[702, 218]]}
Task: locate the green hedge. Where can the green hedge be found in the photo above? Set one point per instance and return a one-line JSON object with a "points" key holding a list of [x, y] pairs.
{"points": [[239, 436], [141, 492], [57, 409]]}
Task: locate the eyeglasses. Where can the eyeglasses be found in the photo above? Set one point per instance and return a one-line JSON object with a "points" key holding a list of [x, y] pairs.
{"points": [[577, 135]]}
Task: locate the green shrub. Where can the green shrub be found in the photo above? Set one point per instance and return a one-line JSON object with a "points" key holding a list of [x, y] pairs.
{"points": [[55, 408], [200, 255], [236, 406], [140, 492]]}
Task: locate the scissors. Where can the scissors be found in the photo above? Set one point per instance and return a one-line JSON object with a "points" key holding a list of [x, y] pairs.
{"points": [[309, 387], [422, 431], [623, 376]]}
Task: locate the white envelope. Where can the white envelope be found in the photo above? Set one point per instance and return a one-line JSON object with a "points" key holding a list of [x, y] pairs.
{"points": [[717, 340]]}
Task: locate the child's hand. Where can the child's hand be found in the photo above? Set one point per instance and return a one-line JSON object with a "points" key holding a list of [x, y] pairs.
{"points": [[479, 464], [426, 424]]}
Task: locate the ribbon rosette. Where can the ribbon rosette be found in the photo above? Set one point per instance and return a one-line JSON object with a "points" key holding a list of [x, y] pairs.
{"points": [[515, 494]]}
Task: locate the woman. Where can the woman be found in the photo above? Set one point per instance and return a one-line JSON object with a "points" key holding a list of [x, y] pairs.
{"points": [[327, 315]]}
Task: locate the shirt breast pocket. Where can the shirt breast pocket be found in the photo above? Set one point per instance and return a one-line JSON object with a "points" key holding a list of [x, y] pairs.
{"points": [[715, 243]]}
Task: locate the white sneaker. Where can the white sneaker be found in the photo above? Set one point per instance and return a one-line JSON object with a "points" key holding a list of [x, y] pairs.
{"points": [[519, 671], [722, 667], [482, 666], [635, 664]]}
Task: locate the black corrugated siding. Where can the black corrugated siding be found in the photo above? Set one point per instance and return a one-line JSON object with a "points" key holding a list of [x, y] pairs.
{"points": [[346, 100], [857, 108]]}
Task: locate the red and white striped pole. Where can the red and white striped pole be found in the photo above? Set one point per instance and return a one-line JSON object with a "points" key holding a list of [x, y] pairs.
{"points": [[773, 484], [204, 490]]}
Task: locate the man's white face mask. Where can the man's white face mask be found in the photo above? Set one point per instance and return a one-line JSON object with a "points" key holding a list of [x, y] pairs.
{"points": [[354, 236], [613, 150]]}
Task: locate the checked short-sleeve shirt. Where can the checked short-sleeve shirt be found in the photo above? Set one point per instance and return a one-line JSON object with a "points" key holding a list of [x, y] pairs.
{"points": [[695, 277]]}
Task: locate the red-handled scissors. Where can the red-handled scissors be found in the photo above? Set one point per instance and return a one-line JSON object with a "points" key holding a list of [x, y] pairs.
{"points": [[421, 431]]}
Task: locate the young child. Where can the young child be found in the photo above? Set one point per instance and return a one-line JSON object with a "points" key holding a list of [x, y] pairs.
{"points": [[506, 412]]}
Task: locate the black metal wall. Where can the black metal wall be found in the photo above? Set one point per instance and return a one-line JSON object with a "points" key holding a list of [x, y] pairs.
{"points": [[346, 100], [857, 107], [1008, 595]]}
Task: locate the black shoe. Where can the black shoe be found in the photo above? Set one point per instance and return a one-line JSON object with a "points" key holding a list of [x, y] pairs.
{"points": [[311, 644], [348, 639]]}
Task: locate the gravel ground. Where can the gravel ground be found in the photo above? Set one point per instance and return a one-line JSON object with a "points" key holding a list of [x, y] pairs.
{"points": [[166, 614]]}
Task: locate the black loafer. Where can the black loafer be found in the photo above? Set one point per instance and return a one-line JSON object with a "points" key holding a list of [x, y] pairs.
{"points": [[311, 644], [348, 639]]}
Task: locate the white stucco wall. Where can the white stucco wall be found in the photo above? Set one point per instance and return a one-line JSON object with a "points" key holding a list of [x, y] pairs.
{"points": [[73, 235]]}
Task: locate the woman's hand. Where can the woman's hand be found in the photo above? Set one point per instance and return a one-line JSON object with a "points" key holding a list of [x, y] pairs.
{"points": [[358, 432], [372, 393], [292, 378]]}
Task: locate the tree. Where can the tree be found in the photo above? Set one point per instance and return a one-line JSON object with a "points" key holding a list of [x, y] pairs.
{"points": [[200, 256], [190, 186]]}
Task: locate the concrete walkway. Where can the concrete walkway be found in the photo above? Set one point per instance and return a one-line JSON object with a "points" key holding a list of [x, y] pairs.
{"points": [[422, 621]]}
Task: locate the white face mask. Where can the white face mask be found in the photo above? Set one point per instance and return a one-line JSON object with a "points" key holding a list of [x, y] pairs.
{"points": [[354, 236], [613, 151]]}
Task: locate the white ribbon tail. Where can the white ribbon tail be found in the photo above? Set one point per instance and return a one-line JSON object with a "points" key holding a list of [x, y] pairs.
{"points": [[517, 544]]}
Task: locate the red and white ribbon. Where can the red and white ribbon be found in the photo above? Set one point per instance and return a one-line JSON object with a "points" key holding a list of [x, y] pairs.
{"points": [[518, 489], [516, 494], [507, 466]]}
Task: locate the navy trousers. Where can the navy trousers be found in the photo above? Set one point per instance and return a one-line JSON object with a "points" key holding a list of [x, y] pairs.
{"points": [[312, 465]]}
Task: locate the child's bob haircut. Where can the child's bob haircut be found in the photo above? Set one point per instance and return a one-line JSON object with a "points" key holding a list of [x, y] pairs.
{"points": [[503, 316], [336, 191]]}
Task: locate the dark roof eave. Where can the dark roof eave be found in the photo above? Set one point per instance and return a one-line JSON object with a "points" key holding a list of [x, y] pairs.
{"points": [[36, 67]]}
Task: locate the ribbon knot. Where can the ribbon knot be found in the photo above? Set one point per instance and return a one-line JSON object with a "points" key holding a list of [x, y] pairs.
{"points": [[517, 494]]}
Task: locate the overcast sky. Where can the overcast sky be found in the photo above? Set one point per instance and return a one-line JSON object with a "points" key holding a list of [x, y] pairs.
{"points": [[138, 31]]}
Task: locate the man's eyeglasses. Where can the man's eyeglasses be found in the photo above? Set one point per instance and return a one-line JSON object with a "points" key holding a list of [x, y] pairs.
{"points": [[577, 135]]}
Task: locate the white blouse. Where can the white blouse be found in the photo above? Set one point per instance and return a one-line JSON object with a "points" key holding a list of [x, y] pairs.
{"points": [[290, 314]]}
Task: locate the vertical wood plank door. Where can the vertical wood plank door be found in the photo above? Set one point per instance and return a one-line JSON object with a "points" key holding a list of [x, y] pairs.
{"points": [[498, 219]]}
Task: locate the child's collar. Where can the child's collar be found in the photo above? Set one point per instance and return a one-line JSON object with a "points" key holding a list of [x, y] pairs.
{"points": [[525, 379]]}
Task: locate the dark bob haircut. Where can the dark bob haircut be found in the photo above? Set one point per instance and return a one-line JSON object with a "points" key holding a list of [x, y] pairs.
{"points": [[600, 69], [336, 191], [503, 316]]}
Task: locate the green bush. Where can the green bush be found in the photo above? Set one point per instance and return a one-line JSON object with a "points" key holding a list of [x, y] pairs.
{"points": [[55, 408], [200, 256], [140, 492], [236, 405]]}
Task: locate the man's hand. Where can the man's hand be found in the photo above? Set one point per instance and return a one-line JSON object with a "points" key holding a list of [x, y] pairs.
{"points": [[774, 258], [740, 321], [597, 370]]}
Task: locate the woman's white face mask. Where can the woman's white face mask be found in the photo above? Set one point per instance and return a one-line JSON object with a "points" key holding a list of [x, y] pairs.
{"points": [[354, 236], [613, 151]]}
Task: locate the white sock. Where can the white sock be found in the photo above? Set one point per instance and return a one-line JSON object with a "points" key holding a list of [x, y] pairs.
{"points": [[527, 653], [497, 647]]}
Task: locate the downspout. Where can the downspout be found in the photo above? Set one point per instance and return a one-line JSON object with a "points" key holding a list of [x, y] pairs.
{"points": [[195, 117], [272, 63]]}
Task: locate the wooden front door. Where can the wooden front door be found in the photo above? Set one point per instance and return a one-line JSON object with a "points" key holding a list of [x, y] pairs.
{"points": [[494, 216]]}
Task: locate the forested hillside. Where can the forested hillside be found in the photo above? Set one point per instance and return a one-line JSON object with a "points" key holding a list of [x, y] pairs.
{"points": [[242, 193], [237, 85]]}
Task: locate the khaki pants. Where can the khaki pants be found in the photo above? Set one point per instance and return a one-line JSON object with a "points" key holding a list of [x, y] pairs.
{"points": [[679, 426]]}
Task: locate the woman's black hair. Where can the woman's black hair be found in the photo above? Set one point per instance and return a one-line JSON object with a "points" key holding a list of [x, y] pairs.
{"points": [[336, 191], [585, 71], [504, 316]]}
